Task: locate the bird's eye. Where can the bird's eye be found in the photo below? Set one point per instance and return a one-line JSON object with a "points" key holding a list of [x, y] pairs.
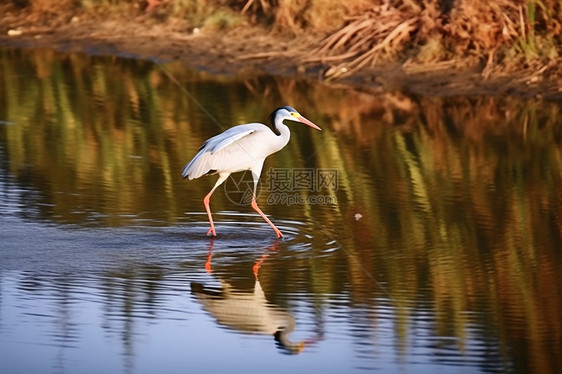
{"points": [[294, 114]]}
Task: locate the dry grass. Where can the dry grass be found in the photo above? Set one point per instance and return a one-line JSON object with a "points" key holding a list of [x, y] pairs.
{"points": [[361, 33], [432, 30]]}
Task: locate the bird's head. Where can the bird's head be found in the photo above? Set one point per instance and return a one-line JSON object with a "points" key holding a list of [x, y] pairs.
{"points": [[287, 113], [286, 346]]}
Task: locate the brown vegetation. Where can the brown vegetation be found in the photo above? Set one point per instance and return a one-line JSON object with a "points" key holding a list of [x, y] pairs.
{"points": [[432, 30], [494, 36]]}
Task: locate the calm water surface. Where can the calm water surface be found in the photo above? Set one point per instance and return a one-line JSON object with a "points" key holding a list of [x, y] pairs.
{"points": [[422, 234]]}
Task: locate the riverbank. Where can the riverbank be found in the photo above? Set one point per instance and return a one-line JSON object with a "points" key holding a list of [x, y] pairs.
{"points": [[252, 49]]}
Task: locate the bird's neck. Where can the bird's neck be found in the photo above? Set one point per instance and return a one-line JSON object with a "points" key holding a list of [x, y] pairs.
{"points": [[283, 134], [281, 130]]}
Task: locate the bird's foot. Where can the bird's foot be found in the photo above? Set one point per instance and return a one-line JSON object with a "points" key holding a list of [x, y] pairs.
{"points": [[211, 230]]}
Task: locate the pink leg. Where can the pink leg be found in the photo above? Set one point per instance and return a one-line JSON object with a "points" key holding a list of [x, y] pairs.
{"points": [[209, 257], [257, 209], [264, 257], [208, 209], [207, 199]]}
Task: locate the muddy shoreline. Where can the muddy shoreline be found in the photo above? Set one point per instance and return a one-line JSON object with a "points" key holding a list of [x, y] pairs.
{"points": [[253, 51]]}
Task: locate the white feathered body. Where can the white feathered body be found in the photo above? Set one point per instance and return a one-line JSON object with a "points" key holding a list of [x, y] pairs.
{"points": [[242, 147]]}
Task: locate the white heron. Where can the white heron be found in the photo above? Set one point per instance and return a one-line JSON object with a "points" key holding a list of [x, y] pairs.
{"points": [[241, 148]]}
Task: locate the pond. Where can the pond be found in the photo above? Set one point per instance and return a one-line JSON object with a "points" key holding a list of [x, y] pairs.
{"points": [[422, 234]]}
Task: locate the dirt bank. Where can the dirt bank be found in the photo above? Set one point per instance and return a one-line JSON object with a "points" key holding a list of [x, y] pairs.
{"points": [[251, 50]]}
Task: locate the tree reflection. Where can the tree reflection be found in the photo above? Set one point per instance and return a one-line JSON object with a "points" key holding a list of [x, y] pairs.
{"points": [[459, 197]]}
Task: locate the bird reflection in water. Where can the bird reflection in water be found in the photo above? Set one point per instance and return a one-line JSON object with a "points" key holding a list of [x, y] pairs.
{"points": [[247, 311]]}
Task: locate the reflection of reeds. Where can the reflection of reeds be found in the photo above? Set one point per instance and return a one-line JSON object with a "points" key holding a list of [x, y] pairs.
{"points": [[460, 197]]}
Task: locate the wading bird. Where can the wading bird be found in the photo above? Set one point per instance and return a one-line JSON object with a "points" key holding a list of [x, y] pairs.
{"points": [[240, 148]]}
